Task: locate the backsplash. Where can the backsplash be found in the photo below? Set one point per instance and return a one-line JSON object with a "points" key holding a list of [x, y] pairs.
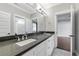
{"points": [[6, 38]]}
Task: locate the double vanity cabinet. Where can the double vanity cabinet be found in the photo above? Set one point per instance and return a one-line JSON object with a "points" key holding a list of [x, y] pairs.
{"points": [[44, 48]]}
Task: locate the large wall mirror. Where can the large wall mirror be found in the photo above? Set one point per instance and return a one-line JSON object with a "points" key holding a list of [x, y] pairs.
{"points": [[19, 24]]}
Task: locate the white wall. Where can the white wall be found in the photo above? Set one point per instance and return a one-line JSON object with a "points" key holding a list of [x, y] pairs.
{"points": [[76, 7], [41, 21], [52, 13], [64, 28]]}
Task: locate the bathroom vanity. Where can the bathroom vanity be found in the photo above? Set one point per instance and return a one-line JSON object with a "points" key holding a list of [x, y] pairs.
{"points": [[36, 44]]}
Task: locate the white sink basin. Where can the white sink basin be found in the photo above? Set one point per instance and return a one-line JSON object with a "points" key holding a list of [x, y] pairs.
{"points": [[25, 42]]}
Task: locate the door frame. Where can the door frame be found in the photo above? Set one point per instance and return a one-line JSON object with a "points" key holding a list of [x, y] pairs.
{"points": [[71, 10]]}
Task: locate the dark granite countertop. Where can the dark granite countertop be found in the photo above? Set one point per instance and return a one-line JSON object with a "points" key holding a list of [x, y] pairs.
{"points": [[40, 37]]}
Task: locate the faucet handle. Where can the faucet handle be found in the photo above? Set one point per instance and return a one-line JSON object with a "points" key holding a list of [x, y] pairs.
{"points": [[18, 39]]}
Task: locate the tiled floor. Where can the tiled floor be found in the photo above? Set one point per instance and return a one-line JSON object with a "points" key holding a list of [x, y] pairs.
{"points": [[60, 52]]}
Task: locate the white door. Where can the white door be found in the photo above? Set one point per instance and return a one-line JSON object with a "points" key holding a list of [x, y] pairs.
{"points": [[72, 26]]}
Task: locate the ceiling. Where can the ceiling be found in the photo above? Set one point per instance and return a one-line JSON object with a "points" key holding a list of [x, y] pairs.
{"points": [[31, 7], [49, 5]]}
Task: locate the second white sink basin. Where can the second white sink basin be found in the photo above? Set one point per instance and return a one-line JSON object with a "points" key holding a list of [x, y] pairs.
{"points": [[25, 42]]}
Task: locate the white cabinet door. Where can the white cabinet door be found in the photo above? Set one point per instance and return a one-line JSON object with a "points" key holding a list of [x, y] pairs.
{"points": [[40, 50], [50, 45], [55, 41], [45, 48], [4, 23]]}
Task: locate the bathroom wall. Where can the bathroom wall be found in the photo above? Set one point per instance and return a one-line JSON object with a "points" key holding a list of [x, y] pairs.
{"points": [[76, 8], [52, 13]]}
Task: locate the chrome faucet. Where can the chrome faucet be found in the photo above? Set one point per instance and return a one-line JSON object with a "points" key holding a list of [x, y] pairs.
{"points": [[25, 36], [17, 37]]}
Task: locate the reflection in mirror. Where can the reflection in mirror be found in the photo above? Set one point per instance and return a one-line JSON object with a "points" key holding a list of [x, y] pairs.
{"points": [[34, 26], [19, 25]]}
